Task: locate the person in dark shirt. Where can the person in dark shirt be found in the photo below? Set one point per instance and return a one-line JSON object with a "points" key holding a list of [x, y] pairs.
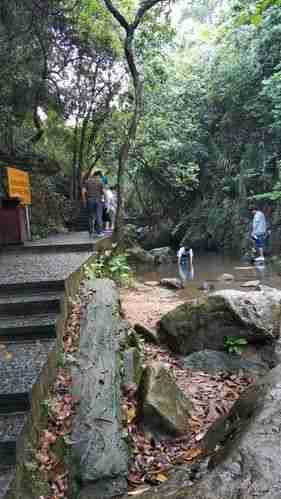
{"points": [[93, 193]]}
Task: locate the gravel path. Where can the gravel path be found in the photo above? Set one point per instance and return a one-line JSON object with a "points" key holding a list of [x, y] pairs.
{"points": [[21, 267]]}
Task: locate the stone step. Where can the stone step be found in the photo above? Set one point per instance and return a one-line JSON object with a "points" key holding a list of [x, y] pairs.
{"points": [[23, 327], [15, 304], [7, 474], [80, 226], [11, 427], [22, 288], [20, 365], [47, 248]]}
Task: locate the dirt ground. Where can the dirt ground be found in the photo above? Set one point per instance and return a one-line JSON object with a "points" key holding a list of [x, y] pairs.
{"points": [[146, 304]]}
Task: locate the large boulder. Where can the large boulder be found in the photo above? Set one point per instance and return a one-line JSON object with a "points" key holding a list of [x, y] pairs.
{"points": [[163, 406], [98, 448], [205, 323], [149, 335], [157, 236], [163, 255], [136, 254], [212, 362]]}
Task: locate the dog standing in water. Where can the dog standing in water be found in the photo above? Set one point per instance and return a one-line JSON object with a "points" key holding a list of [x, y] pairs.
{"points": [[185, 264]]}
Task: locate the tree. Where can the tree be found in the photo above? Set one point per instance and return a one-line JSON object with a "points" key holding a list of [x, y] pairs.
{"points": [[130, 29]]}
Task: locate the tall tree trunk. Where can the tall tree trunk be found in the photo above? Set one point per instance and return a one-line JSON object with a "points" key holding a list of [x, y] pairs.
{"points": [[130, 30], [74, 164]]}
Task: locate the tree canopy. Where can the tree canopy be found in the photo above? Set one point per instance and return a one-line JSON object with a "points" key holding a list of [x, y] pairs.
{"points": [[186, 93]]}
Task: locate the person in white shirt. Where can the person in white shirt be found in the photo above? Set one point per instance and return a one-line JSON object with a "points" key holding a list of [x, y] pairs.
{"points": [[259, 231], [185, 264], [111, 206]]}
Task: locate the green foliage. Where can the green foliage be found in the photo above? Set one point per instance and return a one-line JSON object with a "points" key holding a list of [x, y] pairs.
{"points": [[112, 266], [50, 209], [234, 344]]}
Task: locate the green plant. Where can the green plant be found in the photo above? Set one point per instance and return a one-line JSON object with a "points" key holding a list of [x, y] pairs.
{"points": [[234, 344], [112, 266]]}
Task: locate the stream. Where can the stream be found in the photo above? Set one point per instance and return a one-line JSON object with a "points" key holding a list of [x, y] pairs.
{"points": [[208, 268]]}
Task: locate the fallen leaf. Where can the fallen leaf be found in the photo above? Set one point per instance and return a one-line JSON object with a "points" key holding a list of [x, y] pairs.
{"points": [[131, 414], [8, 356], [192, 454], [161, 477]]}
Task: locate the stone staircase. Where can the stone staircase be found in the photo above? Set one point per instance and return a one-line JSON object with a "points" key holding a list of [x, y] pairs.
{"points": [[80, 222], [32, 284], [28, 313]]}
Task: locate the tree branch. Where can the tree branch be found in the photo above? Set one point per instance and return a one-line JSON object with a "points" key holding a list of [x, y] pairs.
{"points": [[144, 7], [118, 16]]}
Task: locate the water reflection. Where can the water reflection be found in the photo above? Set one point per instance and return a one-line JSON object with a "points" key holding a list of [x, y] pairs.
{"points": [[209, 267], [263, 272]]}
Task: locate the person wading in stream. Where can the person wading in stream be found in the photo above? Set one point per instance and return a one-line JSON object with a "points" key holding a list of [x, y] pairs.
{"points": [[185, 264], [259, 232], [93, 192]]}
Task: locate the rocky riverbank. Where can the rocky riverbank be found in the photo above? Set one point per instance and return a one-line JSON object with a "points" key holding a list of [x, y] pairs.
{"points": [[212, 382]]}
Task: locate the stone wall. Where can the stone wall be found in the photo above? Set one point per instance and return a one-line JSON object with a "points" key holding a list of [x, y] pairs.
{"points": [[97, 443]]}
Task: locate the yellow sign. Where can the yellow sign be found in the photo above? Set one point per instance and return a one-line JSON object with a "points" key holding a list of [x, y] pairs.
{"points": [[19, 185]]}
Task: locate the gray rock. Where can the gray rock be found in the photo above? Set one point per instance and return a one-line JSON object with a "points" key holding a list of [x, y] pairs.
{"points": [[148, 334], [248, 467], [157, 236], [251, 462], [213, 362], [163, 406], [137, 254], [203, 324], [250, 284], [171, 283], [98, 446], [132, 366], [103, 489], [226, 277], [162, 255], [151, 284]]}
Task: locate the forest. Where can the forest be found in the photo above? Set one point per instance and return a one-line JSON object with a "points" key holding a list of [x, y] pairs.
{"points": [[177, 102]]}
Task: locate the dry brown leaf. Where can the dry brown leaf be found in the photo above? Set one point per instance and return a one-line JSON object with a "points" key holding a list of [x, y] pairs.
{"points": [[131, 414], [192, 454], [161, 477], [8, 356]]}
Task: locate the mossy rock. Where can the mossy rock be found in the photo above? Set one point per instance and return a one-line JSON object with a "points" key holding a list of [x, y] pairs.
{"points": [[204, 324], [164, 408]]}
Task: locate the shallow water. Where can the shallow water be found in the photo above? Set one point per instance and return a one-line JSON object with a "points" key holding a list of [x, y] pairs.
{"points": [[208, 268]]}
